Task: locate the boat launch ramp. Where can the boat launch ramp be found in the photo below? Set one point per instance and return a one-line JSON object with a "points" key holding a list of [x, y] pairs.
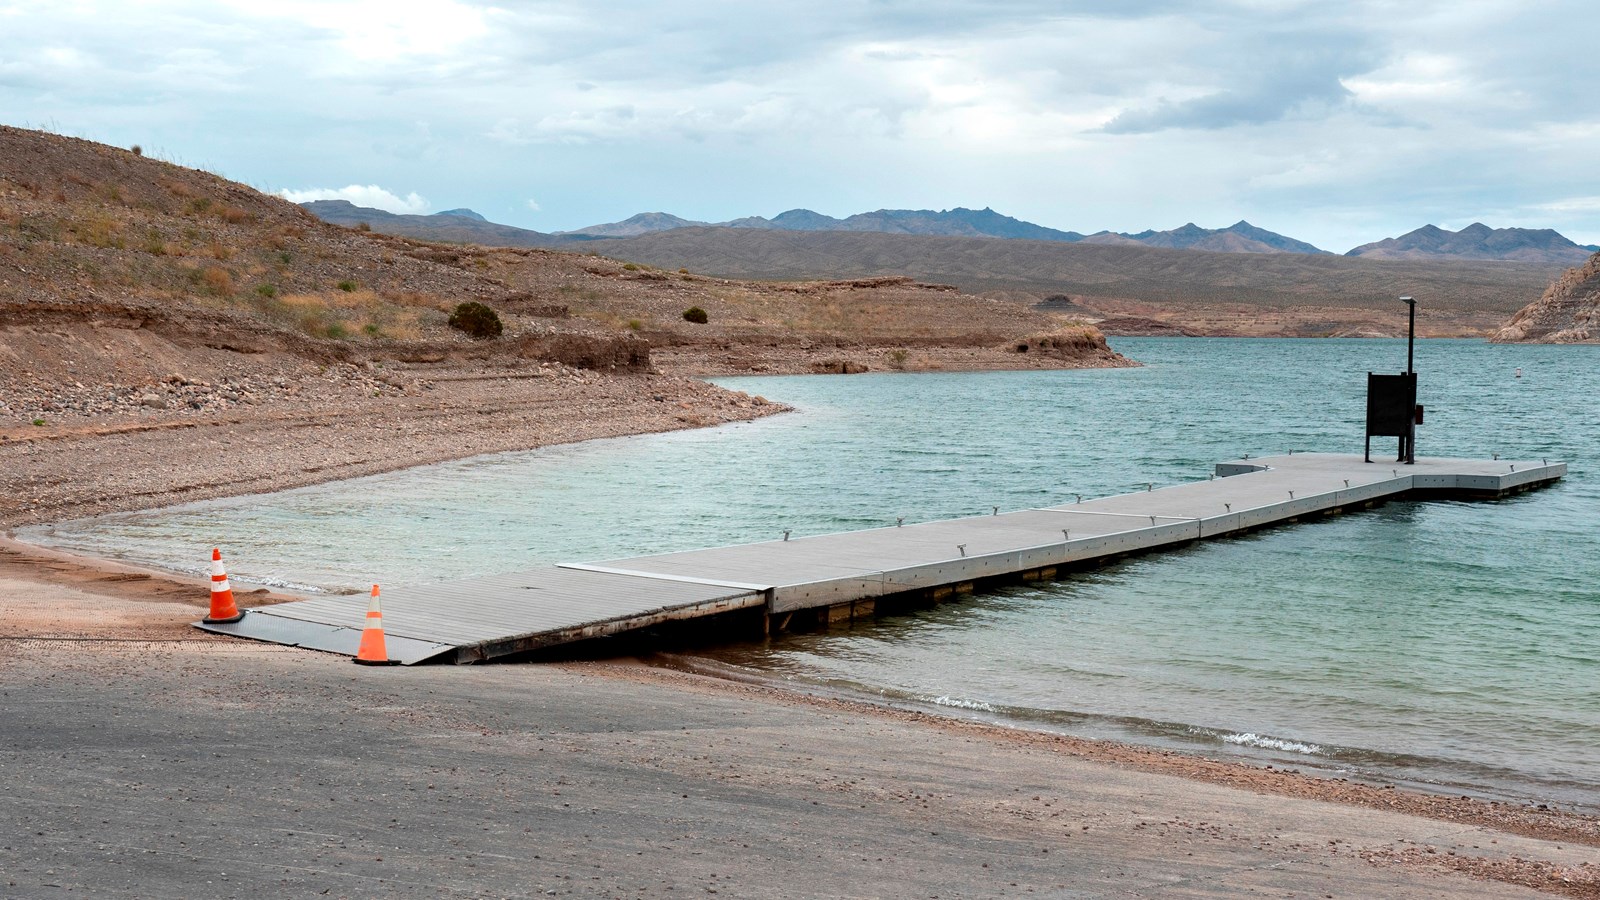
{"points": [[825, 578]]}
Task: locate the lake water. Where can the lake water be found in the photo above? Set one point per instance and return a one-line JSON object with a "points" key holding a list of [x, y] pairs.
{"points": [[1446, 643]]}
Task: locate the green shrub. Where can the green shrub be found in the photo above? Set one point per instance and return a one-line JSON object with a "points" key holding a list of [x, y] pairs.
{"points": [[696, 315], [267, 290], [38, 422], [477, 320], [631, 267], [635, 324], [348, 286]]}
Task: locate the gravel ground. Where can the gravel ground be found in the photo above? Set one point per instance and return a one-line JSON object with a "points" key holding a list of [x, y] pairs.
{"points": [[321, 425], [143, 758]]}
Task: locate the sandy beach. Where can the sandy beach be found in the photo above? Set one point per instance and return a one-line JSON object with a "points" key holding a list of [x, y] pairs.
{"points": [[145, 757]]}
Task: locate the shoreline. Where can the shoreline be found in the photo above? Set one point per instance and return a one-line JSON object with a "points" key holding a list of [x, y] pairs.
{"points": [[1313, 770], [56, 567], [1530, 818], [111, 605]]}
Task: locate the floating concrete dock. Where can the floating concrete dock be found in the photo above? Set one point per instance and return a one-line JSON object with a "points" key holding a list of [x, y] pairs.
{"points": [[829, 577]]}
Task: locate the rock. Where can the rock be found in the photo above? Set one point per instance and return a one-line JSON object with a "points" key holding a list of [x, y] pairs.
{"points": [[838, 367], [1568, 313], [152, 401]]}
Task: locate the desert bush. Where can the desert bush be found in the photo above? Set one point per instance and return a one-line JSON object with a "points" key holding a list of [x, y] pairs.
{"points": [[348, 286], [635, 325], [99, 230], [696, 315], [113, 193], [137, 150], [215, 279], [477, 320], [267, 290], [631, 267], [363, 226]]}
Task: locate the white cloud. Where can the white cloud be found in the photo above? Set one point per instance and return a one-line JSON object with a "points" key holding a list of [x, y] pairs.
{"points": [[1572, 205], [1336, 123], [533, 204], [369, 195]]}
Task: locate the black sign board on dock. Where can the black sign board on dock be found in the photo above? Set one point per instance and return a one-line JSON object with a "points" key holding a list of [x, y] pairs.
{"points": [[1391, 410]]}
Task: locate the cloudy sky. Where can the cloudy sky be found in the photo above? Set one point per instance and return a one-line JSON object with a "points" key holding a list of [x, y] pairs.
{"points": [[1333, 122]]}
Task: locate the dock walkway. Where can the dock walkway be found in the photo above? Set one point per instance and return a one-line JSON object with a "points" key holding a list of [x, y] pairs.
{"points": [[845, 575]]}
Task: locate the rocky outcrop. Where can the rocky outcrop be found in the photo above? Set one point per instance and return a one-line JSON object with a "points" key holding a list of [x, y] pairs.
{"points": [[1568, 313]]}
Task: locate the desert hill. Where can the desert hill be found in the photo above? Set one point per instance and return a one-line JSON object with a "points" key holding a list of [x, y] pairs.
{"points": [[1240, 237], [1289, 294], [642, 223], [1567, 313], [122, 270], [1478, 241]]}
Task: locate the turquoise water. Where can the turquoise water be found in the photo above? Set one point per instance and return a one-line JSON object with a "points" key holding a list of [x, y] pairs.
{"points": [[1447, 643]]}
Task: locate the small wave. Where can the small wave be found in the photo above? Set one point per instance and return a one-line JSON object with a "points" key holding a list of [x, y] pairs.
{"points": [[959, 703], [269, 581], [1251, 739]]}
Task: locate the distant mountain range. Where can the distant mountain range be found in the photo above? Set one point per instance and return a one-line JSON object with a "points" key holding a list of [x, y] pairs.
{"points": [[1241, 237], [956, 222], [1479, 241], [461, 226], [1475, 242]]}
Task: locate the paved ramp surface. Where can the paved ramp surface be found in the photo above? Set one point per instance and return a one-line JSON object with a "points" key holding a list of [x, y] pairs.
{"points": [[480, 618]]}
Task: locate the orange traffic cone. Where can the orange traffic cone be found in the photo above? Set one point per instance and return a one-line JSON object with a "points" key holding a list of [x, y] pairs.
{"points": [[372, 651], [222, 605]]}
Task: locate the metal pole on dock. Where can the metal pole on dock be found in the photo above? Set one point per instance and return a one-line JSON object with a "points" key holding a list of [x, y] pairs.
{"points": [[1411, 336], [1409, 456]]}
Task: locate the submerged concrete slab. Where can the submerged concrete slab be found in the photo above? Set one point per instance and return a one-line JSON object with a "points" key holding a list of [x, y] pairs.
{"points": [[485, 617]]}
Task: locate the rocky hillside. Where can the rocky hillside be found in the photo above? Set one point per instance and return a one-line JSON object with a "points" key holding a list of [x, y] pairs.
{"points": [[118, 272], [1568, 313], [1478, 241], [91, 233]]}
